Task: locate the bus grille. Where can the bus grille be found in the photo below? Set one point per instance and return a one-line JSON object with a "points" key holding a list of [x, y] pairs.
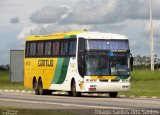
{"points": [[115, 80], [104, 80]]}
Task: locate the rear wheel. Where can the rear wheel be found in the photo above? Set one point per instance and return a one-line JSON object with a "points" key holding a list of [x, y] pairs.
{"points": [[113, 94], [42, 91], [40, 87], [35, 87]]}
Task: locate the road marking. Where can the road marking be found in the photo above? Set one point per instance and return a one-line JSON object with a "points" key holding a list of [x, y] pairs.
{"points": [[62, 104], [118, 100], [26, 91]]}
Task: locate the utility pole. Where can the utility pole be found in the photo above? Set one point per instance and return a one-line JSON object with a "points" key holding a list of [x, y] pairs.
{"points": [[151, 38]]}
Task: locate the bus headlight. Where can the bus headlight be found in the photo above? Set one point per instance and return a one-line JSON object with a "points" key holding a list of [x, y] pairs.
{"points": [[125, 80], [87, 80]]}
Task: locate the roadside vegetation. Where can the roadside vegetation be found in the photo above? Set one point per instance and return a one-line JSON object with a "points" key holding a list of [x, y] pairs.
{"points": [[6, 84], [145, 75], [144, 83]]}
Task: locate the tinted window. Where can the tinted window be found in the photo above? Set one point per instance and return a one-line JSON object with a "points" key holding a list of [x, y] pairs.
{"points": [[40, 48], [108, 44], [32, 49], [72, 47], [47, 48], [52, 48], [27, 48], [55, 48], [64, 47]]}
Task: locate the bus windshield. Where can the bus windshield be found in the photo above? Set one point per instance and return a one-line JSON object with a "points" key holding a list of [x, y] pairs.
{"points": [[102, 63], [119, 64], [96, 63]]}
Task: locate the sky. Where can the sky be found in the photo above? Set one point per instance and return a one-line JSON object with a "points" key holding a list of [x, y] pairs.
{"points": [[21, 18]]}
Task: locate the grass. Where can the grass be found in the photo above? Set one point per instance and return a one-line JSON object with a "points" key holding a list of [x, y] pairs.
{"points": [[143, 83], [6, 84], [145, 75], [144, 88]]}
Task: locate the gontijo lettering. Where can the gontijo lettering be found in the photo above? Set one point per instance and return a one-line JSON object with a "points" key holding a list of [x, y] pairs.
{"points": [[45, 63]]}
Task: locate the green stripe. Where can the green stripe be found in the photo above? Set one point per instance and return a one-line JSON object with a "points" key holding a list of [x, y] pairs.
{"points": [[58, 70], [64, 70], [70, 36], [61, 70], [62, 67]]}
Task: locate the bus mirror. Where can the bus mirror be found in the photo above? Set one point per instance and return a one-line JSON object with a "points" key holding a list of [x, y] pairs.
{"points": [[131, 63]]}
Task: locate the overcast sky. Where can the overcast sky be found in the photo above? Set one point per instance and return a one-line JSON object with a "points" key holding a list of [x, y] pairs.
{"points": [[20, 18]]}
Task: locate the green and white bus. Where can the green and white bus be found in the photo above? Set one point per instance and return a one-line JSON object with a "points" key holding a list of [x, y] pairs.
{"points": [[78, 62]]}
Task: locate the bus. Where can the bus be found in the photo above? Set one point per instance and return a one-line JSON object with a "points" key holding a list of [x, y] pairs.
{"points": [[77, 62]]}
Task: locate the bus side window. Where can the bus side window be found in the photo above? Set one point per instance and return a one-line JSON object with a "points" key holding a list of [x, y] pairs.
{"points": [[55, 48], [32, 49], [66, 45], [47, 48], [64, 48], [40, 48], [27, 49], [72, 47]]}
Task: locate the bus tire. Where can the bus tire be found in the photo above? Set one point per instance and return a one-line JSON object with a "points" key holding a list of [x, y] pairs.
{"points": [[74, 93], [40, 87], [35, 87], [113, 94]]}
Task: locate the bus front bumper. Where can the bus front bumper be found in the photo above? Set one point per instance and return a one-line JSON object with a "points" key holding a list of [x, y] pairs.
{"points": [[106, 87]]}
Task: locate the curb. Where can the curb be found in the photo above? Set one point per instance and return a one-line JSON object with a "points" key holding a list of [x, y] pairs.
{"points": [[16, 91], [86, 94]]}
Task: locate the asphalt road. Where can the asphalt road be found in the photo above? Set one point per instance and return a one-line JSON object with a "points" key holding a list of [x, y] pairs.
{"points": [[31, 101]]}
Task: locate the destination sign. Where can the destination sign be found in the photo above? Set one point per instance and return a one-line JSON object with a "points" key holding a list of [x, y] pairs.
{"points": [[119, 50]]}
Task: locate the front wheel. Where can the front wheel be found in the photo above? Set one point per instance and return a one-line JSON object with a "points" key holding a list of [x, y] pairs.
{"points": [[113, 94], [73, 92]]}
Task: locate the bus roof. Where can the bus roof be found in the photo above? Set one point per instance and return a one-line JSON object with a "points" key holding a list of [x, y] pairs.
{"points": [[99, 35], [59, 35], [72, 34]]}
